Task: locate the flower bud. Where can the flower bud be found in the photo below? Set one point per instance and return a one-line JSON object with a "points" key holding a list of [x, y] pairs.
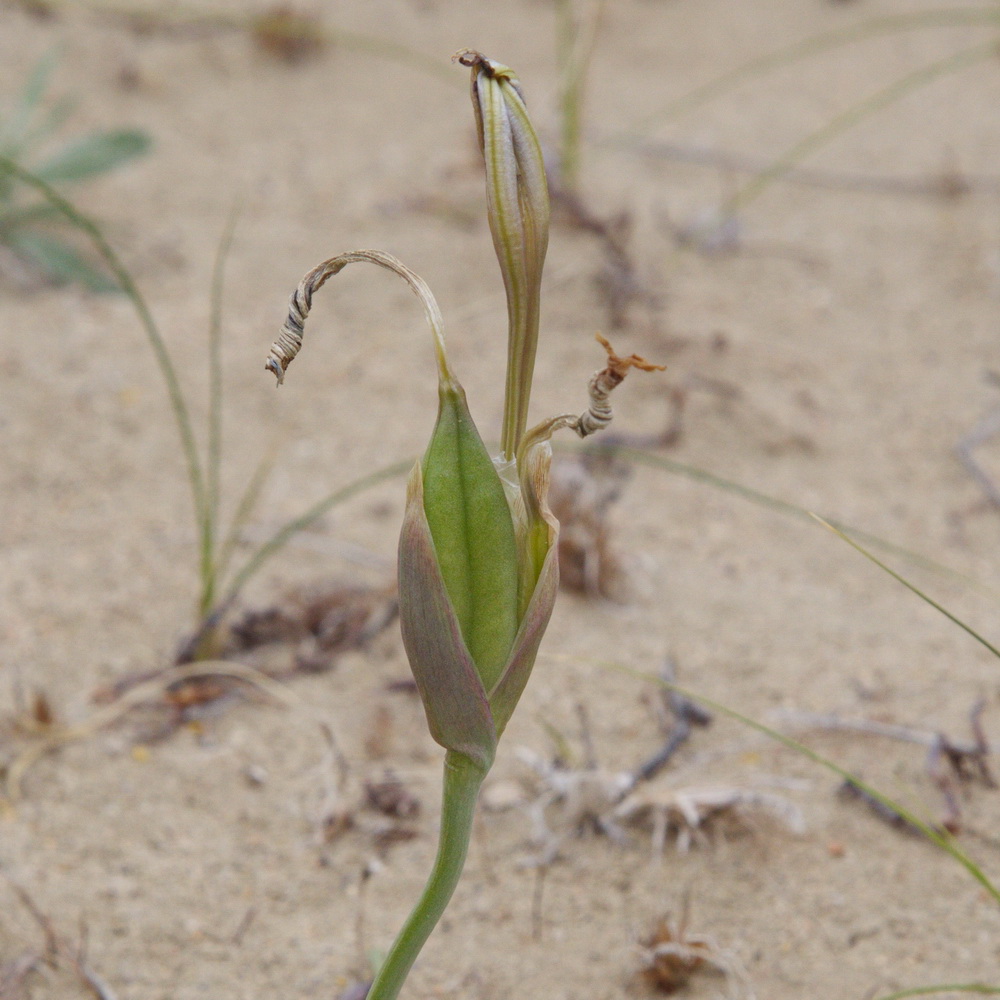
{"points": [[517, 199], [478, 567]]}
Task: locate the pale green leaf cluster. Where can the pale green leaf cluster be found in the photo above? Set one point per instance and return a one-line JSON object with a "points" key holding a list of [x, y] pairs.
{"points": [[31, 227]]}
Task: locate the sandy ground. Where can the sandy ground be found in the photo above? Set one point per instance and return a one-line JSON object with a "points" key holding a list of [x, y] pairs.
{"points": [[833, 358]]}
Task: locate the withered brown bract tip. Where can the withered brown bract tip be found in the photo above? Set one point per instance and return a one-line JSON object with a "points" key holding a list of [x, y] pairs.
{"points": [[468, 57]]}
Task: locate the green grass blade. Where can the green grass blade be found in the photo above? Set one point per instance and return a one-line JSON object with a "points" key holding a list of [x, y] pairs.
{"points": [[937, 837], [247, 502], [641, 457], [209, 558], [922, 991], [57, 260], [165, 363], [49, 121], [15, 129], [909, 586], [24, 215], [575, 44], [355, 41], [94, 154], [846, 120], [811, 46], [297, 524]]}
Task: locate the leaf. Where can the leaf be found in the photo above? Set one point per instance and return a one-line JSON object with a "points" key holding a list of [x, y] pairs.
{"points": [[14, 218], [58, 260], [94, 154], [509, 688], [458, 714], [13, 131]]}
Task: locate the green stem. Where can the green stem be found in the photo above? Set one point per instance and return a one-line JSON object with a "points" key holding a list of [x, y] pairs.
{"points": [[213, 460], [462, 779]]}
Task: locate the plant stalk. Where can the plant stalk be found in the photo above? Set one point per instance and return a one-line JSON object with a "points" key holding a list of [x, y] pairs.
{"points": [[462, 780]]}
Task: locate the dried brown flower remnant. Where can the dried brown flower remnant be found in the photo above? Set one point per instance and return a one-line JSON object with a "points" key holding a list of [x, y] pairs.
{"points": [[602, 383], [287, 35], [671, 956]]}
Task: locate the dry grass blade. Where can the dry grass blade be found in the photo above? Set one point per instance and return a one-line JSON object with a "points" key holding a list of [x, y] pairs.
{"points": [[57, 950], [940, 838]]}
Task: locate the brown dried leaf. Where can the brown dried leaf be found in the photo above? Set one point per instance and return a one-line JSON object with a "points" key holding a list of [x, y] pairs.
{"points": [[391, 797], [286, 34]]}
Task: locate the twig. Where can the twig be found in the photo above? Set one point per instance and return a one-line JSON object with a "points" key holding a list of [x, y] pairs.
{"points": [[236, 938], [940, 748], [57, 949], [907, 734], [537, 898], [143, 692], [51, 940], [97, 985], [687, 713], [949, 183], [13, 975], [586, 738], [618, 281], [850, 790], [988, 427], [952, 821], [982, 744]]}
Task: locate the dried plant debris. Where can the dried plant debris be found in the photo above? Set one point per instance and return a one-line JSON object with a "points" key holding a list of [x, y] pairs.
{"points": [[288, 35], [677, 716], [951, 764], [562, 800], [670, 957], [171, 704], [57, 954], [582, 494], [391, 797], [692, 814], [617, 281], [319, 621], [851, 791], [177, 690], [571, 801]]}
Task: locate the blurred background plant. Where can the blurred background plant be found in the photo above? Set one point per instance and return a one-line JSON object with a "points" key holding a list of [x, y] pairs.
{"points": [[32, 231]]}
